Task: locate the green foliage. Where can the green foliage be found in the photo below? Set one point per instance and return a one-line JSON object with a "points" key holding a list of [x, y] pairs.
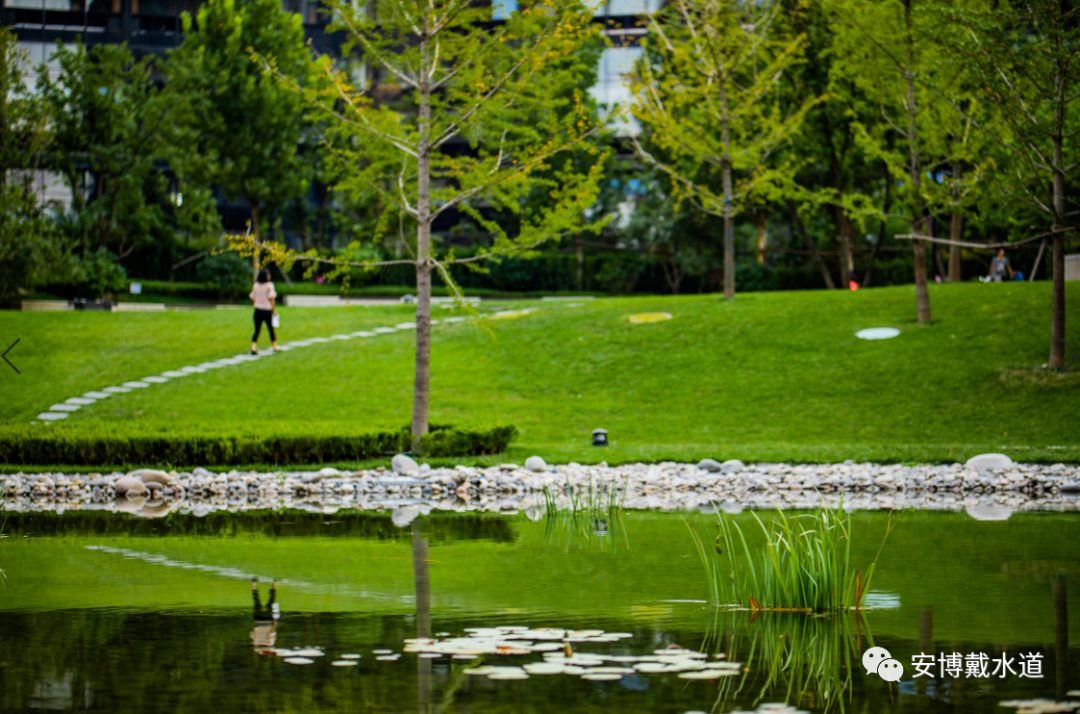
{"points": [[250, 132], [186, 450], [99, 273], [32, 251], [804, 564], [111, 127], [709, 95], [514, 95], [226, 274]]}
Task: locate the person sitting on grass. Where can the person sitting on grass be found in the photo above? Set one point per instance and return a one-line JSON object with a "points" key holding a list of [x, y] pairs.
{"points": [[999, 267], [264, 298]]}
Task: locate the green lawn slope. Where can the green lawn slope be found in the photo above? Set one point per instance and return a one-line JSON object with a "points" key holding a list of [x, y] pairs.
{"points": [[767, 376]]}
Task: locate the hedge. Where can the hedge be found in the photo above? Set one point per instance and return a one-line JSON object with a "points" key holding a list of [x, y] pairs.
{"points": [[105, 450]]}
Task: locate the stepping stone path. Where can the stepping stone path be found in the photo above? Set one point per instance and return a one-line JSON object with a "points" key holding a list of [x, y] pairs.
{"points": [[63, 410]]}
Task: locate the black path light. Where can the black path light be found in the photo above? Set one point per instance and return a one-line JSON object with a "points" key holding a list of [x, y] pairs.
{"points": [[599, 437]]}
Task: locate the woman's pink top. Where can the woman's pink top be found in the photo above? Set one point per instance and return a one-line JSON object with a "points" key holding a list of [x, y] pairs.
{"points": [[261, 295]]}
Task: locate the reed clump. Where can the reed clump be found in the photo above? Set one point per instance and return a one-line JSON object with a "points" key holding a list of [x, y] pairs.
{"points": [[803, 563]]}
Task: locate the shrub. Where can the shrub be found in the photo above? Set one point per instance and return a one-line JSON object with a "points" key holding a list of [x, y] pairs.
{"points": [[100, 274], [188, 450], [227, 274]]}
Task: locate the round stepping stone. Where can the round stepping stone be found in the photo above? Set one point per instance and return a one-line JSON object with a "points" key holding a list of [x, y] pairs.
{"points": [[52, 416], [341, 337], [388, 658], [173, 374], [406, 326], [117, 390], [136, 385], [96, 395], [362, 333], [299, 660], [383, 330], [350, 655], [644, 318], [877, 333], [81, 401], [344, 663], [155, 380], [382, 652], [65, 408]]}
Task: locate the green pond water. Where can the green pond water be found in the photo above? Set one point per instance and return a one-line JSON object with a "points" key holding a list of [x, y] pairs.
{"points": [[105, 613]]}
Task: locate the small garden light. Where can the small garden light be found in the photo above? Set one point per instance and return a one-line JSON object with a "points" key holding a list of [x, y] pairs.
{"points": [[599, 437]]}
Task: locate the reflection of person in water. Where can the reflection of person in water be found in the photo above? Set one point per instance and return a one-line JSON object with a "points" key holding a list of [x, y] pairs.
{"points": [[264, 632]]}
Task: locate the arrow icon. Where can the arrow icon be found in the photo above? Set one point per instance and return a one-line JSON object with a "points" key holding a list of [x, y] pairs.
{"points": [[9, 349]]}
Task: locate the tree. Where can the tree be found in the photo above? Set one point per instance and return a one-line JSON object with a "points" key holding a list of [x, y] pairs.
{"points": [[707, 89], [113, 133], [1026, 55], [251, 130], [474, 117], [32, 251]]}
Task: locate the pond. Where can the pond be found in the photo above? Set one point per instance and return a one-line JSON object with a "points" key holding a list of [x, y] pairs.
{"points": [[105, 612]]}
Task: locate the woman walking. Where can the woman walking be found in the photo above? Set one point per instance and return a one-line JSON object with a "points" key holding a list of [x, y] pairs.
{"points": [[264, 298]]}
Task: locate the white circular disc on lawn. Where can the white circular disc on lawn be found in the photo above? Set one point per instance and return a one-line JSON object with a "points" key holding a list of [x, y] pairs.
{"points": [[299, 660], [877, 333]]}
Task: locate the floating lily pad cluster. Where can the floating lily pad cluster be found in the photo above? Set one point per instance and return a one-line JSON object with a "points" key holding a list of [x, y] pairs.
{"points": [[1043, 706], [305, 656], [556, 647]]}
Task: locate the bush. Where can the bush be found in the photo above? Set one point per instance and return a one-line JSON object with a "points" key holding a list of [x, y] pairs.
{"points": [[82, 450], [227, 274], [100, 274]]}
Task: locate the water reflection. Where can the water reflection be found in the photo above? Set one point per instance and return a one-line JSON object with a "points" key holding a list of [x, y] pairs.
{"points": [[264, 631]]}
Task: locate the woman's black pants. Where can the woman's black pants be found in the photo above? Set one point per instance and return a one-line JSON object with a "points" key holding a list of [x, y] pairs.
{"points": [[262, 316]]}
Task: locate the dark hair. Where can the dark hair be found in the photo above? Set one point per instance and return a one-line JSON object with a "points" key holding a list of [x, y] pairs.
{"points": [[264, 276]]}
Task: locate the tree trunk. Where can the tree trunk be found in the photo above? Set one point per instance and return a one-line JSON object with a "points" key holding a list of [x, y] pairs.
{"points": [[843, 237], [579, 252], [255, 233], [729, 218], [422, 378], [956, 231], [762, 236], [800, 228], [1057, 258], [886, 207], [922, 292]]}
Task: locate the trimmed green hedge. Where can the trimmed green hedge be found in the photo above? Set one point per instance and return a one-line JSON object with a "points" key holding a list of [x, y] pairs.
{"points": [[182, 450]]}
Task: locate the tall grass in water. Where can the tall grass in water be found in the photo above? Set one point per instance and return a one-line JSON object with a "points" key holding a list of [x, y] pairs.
{"points": [[586, 511], [803, 565]]}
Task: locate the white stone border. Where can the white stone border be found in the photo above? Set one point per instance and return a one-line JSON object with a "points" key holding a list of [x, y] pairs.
{"points": [[68, 407]]}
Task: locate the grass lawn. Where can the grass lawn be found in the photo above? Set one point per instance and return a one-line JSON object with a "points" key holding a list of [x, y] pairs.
{"points": [[768, 376]]}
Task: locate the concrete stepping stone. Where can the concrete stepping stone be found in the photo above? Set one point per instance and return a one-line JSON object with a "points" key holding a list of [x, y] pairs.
{"points": [[383, 330], [96, 395], [192, 370], [81, 401], [65, 408], [117, 390], [362, 333], [136, 385], [341, 337], [155, 380], [406, 326], [173, 374], [52, 416]]}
